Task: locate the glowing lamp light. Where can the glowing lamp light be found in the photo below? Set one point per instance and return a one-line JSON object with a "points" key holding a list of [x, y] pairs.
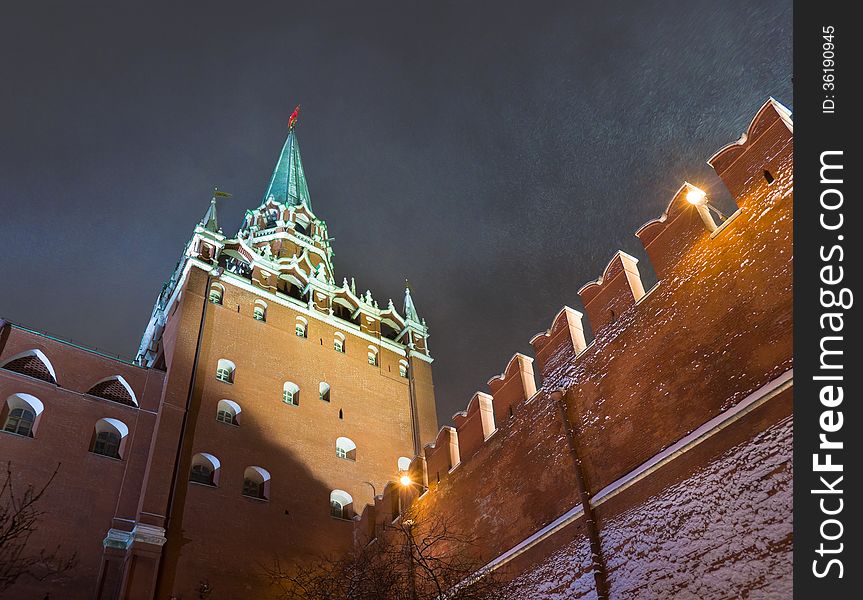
{"points": [[696, 196], [405, 480]]}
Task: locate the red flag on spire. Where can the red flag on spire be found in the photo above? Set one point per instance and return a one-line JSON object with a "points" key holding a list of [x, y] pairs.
{"points": [[294, 116]]}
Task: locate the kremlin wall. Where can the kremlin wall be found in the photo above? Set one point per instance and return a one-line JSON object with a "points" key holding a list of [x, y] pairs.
{"points": [[644, 451], [655, 460]]}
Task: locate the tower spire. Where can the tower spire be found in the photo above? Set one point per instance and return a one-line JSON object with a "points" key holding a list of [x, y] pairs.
{"points": [[409, 308], [288, 183], [210, 222]]}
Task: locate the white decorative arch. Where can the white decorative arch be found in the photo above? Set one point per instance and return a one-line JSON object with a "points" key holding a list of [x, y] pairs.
{"points": [[208, 459], [109, 424], [404, 463], [25, 401], [258, 474], [122, 381], [36, 353]]}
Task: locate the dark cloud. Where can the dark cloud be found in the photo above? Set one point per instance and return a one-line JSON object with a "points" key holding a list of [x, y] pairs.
{"points": [[495, 153]]}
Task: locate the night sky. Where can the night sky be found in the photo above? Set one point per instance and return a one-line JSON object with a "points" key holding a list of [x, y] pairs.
{"points": [[495, 154]]}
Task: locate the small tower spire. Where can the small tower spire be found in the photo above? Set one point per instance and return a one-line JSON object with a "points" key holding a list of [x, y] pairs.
{"points": [[288, 183], [210, 222], [409, 308]]}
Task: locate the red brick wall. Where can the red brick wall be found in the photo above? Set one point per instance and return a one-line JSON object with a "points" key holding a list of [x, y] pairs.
{"points": [[715, 329], [91, 492]]}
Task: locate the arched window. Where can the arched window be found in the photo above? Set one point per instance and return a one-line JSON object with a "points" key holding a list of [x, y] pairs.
{"points": [[228, 412], [205, 469], [22, 412], [403, 368], [339, 343], [346, 448], [115, 389], [256, 483], [404, 463], [301, 224], [291, 393], [32, 363], [301, 327], [324, 391], [225, 370], [109, 437], [259, 312], [217, 292], [373, 356], [340, 504]]}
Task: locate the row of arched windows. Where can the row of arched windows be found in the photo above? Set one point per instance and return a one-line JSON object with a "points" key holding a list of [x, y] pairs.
{"points": [[225, 370], [21, 414], [301, 328], [34, 363], [206, 470]]}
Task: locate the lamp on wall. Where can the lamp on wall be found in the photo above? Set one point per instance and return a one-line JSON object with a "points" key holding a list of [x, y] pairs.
{"points": [[698, 198]]}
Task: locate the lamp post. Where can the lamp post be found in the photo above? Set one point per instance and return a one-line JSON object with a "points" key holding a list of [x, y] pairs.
{"points": [[408, 527]]}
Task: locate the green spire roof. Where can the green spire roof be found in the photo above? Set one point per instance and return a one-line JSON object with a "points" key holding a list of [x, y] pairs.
{"points": [[288, 183], [210, 222], [409, 308]]}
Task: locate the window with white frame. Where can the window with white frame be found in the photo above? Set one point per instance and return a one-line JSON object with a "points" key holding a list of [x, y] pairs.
{"points": [[291, 393], [228, 412], [339, 343], [340, 504], [403, 368], [217, 292], [205, 469], [21, 413], [256, 483], [259, 312], [346, 448], [324, 391], [225, 370], [109, 436], [373, 356], [301, 328]]}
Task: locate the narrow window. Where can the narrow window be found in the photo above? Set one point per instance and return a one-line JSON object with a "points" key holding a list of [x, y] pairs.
{"points": [[768, 177], [216, 293], [259, 312], [373, 356], [225, 370], [339, 343], [341, 414], [291, 393], [301, 327], [403, 368], [324, 391]]}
